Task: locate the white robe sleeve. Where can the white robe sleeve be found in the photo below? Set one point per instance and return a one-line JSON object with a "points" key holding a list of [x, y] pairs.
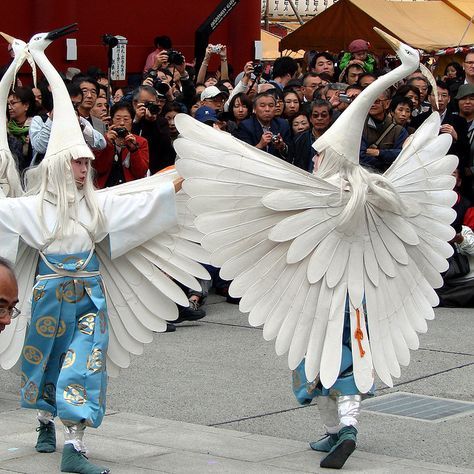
{"points": [[133, 219]]}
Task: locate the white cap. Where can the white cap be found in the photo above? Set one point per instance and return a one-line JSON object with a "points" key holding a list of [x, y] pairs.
{"points": [[210, 92]]}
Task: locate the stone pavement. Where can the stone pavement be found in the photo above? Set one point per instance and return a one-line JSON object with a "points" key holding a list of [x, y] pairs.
{"points": [[136, 444], [213, 397]]}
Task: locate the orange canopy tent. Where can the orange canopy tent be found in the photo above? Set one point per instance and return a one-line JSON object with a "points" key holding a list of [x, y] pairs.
{"points": [[428, 25]]}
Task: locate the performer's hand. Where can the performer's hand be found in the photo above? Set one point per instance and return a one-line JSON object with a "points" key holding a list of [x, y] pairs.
{"points": [[178, 184]]}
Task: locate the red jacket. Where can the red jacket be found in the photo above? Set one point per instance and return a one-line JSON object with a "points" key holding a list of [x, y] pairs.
{"points": [[137, 164]]}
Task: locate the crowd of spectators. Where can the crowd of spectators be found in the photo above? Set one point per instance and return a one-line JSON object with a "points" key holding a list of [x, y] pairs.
{"points": [[281, 109]]}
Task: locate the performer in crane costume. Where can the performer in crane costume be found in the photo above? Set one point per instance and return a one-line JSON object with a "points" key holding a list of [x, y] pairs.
{"points": [[77, 241], [326, 261]]}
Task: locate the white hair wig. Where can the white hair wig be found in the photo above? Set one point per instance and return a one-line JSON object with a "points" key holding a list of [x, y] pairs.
{"points": [[9, 172], [54, 178]]}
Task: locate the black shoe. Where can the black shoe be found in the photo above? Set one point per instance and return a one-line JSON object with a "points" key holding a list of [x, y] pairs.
{"points": [[46, 438], [170, 327], [344, 447], [192, 313], [232, 300]]}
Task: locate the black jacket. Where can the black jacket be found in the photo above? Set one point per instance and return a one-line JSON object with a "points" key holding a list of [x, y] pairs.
{"points": [[250, 131]]}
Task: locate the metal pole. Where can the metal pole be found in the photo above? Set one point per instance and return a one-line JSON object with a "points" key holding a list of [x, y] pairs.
{"points": [[266, 14], [292, 5]]}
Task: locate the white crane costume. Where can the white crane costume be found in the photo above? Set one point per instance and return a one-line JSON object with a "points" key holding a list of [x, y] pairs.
{"points": [[9, 177], [302, 249], [125, 238]]}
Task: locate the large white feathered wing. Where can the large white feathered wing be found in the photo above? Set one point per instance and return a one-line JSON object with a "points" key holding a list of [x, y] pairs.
{"points": [[274, 230], [141, 287]]}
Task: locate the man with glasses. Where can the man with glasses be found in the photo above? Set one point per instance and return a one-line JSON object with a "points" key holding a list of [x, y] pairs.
{"points": [[213, 97], [40, 128], [148, 123], [382, 139], [312, 82], [320, 119], [451, 123], [8, 294], [469, 68], [90, 92]]}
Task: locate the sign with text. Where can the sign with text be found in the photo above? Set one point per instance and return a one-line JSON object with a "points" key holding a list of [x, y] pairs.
{"points": [[118, 68]]}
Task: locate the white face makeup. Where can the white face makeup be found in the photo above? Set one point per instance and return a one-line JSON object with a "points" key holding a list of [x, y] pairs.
{"points": [[80, 168]]}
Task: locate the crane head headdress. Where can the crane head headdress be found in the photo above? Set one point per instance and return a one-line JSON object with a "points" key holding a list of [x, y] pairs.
{"points": [[344, 136]]}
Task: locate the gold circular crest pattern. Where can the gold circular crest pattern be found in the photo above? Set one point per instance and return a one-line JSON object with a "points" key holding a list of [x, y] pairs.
{"points": [[71, 291], [61, 329], [23, 380], [86, 324], [46, 326], [94, 361], [69, 359], [30, 393], [32, 355], [38, 292], [75, 394]]}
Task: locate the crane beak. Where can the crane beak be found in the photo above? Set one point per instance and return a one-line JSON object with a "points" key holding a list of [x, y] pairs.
{"points": [[65, 30], [9, 38], [393, 42]]}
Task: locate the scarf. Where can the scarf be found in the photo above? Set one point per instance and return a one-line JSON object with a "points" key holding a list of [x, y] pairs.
{"points": [[19, 131]]}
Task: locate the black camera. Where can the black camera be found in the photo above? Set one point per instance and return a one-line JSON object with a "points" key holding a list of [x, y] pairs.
{"points": [[153, 108], [110, 40], [257, 69], [121, 132], [162, 87], [175, 57]]}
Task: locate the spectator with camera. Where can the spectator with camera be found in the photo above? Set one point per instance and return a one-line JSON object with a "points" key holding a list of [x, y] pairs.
{"points": [[263, 130], [149, 124], [162, 43], [247, 83], [171, 79], [125, 158], [221, 51]]}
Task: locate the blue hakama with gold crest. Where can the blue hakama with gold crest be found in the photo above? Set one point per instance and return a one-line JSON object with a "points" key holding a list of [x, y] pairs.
{"points": [[64, 356]]}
